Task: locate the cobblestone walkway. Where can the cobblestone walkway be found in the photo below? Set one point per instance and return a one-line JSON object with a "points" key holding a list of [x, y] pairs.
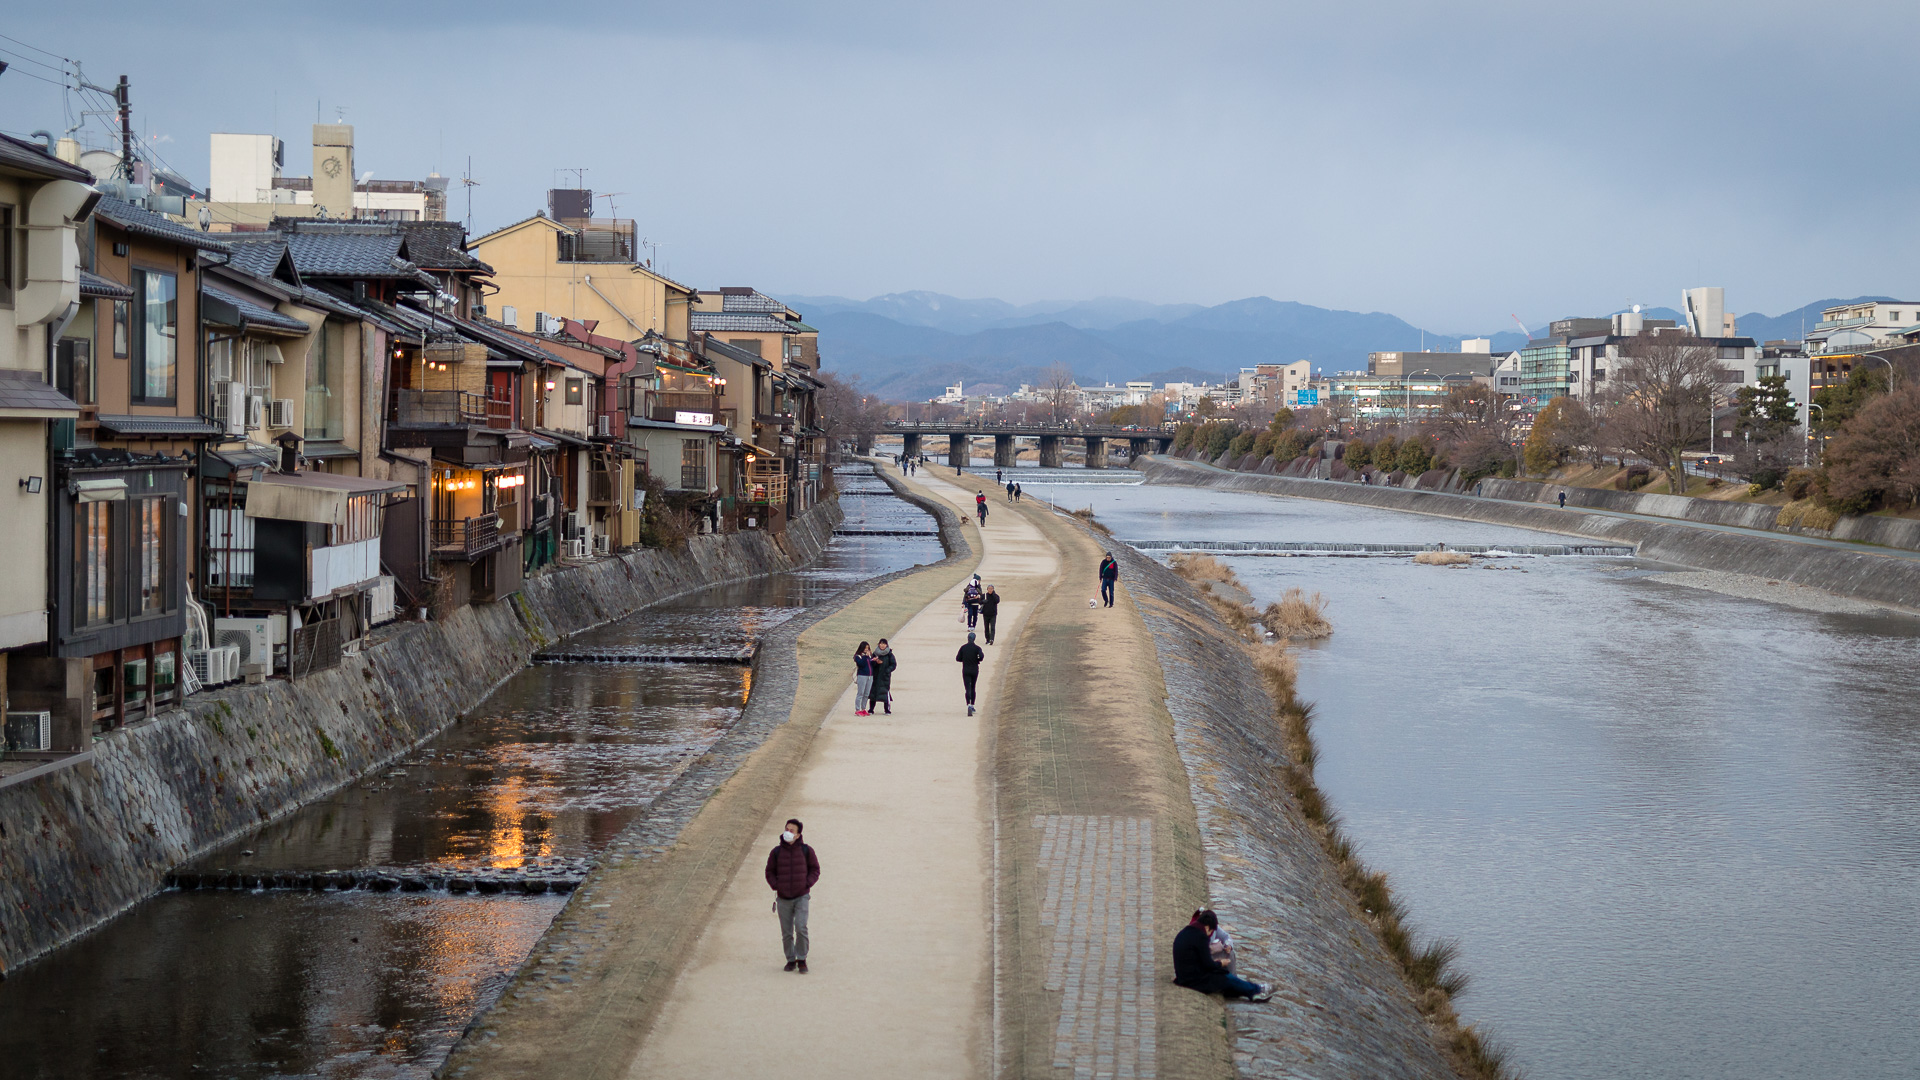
{"points": [[1100, 905]]}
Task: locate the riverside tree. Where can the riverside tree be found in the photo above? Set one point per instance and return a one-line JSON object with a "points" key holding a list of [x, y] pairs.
{"points": [[1876, 456], [1764, 427], [1664, 406], [1560, 431]]}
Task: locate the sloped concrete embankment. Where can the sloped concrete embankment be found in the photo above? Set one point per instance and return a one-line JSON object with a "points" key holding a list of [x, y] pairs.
{"points": [[1862, 528], [1342, 1009], [1861, 574], [80, 844]]}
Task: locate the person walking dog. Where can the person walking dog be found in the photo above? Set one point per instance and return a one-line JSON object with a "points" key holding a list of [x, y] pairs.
{"points": [[1109, 574], [970, 657], [881, 692], [792, 871], [1195, 968], [989, 612], [980, 506], [862, 678]]}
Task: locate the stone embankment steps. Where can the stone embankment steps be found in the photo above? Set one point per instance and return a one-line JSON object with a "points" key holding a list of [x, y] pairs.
{"points": [[1884, 576], [563, 655], [85, 842], [384, 879], [1309, 547]]}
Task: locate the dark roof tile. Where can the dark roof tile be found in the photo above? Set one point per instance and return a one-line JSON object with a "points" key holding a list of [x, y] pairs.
{"points": [[143, 222], [25, 390]]}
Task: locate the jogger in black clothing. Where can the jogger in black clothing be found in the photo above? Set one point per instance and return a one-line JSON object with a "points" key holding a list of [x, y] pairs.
{"points": [[989, 611], [969, 658]]}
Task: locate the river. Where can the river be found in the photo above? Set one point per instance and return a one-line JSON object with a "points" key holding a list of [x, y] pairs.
{"points": [[1673, 831], [252, 984]]}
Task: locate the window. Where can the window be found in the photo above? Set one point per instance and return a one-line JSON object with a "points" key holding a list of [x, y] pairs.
{"points": [[73, 374], [575, 395], [6, 254], [693, 464], [157, 353], [1893, 316], [93, 563], [326, 385], [122, 328], [150, 532], [751, 345]]}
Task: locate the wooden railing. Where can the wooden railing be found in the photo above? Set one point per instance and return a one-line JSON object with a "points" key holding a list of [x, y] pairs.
{"points": [[467, 536]]}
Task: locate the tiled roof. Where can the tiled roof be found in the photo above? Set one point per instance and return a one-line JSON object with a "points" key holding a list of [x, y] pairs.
{"points": [[143, 222], [750, 301], [349, 255], [440, 245], [736, 354], [723, 321], [227, 305], [24, 390], [257, 254], [19, 155], [95, 287], [157, 425]]}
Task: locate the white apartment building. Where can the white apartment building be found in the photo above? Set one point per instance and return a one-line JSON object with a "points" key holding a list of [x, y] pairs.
{"points": [[1870, 324]]}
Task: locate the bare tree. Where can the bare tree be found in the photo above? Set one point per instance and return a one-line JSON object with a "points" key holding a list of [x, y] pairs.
{"points": [[1061, 391], [1663, 400]]}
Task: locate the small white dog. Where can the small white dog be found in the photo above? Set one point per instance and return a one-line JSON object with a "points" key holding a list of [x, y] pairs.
{"points": [[1091, 602]]}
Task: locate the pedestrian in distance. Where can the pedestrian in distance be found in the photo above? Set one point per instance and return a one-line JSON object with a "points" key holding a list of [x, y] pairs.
{"points": [[1016, 491], [970, 599], [1009, 491], [1195, 968], [792, 871], [1563, 500], [997, 477], [989, 612], [980, 506], [1109, 575], [862, 678], [881, 692], [970, 657]]}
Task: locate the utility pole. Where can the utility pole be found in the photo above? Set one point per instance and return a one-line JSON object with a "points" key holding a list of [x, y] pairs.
{"points": [[122, 98]]}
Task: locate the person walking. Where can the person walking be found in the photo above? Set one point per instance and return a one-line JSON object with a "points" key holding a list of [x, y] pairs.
{"points": [[970, 599], [970, 658], [881, 692], [1563, 500], [980, 506], [1016, 491], [989, 612], [1009, 491], [792, 871], [998, 476], [1195, 968], [862, 678], [1109, 574]]}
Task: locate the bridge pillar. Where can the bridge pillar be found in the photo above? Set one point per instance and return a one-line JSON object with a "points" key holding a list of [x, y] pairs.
{"points": [[1049, 451], [1096, 452], [1004, 451], [863, 442], [1137, 447], [910, 445], [959, 449], [1165, 445]]}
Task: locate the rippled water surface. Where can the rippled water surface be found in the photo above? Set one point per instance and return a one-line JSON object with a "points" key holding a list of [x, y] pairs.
{"points": [[1674, 831], [538, 779]]}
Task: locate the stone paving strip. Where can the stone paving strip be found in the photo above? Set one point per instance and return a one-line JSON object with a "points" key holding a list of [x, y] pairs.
{"points": [[1100, 905]]}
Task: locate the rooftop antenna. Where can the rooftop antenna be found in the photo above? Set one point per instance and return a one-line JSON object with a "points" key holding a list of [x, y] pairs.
{"points": [[469, 183], [612, 211]]}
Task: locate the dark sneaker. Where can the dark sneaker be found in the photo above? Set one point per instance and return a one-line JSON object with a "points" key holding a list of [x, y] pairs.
{"points": [[969, 710], [803, 967], [791, 964], [1265, 995]]}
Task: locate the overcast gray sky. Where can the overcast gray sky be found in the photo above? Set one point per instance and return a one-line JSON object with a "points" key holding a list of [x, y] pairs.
{"points": [[1449, 163]]}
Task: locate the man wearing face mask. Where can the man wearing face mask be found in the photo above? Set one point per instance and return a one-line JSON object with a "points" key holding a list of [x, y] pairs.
{"points": [[792, 870]]}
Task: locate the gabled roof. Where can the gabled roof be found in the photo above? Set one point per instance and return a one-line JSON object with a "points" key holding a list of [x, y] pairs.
{"points": [[440, 245], [739, 323], [231, 309], [515, 227], [739, 355], [143, 222], [21, 156], [350, 255], [263, 256]]}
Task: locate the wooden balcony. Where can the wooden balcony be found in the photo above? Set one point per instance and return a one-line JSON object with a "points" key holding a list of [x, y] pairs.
{"points": [[466, 538]]}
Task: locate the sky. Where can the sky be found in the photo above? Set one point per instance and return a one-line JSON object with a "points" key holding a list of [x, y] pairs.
{"points": [[1453, 164]]}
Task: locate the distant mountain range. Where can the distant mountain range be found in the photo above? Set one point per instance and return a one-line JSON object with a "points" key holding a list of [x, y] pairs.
{"points": [[911, 346]]}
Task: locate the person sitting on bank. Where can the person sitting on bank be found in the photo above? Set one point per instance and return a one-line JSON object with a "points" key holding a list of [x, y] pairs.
{"points": [[1195, 968]]}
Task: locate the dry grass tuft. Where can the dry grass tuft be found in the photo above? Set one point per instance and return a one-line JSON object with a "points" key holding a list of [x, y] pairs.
{"points": [[1806, 514], [1205, 568], [1298, 616], [1443, 558], [1086, 515], [1195, 567]]}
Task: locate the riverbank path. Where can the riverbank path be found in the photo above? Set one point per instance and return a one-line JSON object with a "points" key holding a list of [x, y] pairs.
{"points": [[900, 809]]}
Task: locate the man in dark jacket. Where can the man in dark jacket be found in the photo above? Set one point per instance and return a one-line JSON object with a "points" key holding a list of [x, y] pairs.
{"points": [[1195, 968], [1109, 574], [792, 870], [882, 664], [989, 611], [970, 657]]}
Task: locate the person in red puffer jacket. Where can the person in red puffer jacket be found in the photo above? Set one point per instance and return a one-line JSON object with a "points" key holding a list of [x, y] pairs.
{"points": [[792, 870]]}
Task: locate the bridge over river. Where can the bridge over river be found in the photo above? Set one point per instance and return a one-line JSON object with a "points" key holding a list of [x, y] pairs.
{"points": [[1006, 448]]}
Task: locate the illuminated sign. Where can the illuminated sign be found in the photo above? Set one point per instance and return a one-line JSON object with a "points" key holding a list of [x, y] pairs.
{"points": [[701, 419]]}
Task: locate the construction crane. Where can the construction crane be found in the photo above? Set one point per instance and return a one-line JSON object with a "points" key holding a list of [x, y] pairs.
{"points": [[1524, 332]]}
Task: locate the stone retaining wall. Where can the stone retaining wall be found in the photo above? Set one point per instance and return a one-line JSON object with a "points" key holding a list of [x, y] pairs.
{"points": [[1862, 573], [1342, 1009], [80, 844], [1886, 531]]}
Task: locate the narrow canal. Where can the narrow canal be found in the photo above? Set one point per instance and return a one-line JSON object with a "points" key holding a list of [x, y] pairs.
{"points": [[1673, 830], [534, 784]]}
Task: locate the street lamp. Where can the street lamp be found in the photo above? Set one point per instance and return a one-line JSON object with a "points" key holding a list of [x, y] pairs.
{"points": [[1407, 382], [1884, 360], [1806, 449]]}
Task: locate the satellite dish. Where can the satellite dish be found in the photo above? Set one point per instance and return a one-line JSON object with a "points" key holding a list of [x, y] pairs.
{"points": [[1636, 309]]}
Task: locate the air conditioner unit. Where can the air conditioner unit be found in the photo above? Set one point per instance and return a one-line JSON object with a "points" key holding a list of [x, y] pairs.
{"points": [[256, 411], [201, 662], [603, 543], [510, 316], [577, 548], [280, 413], [544, 323], [229, 656], [603, 426], [29, 731], [230, 406], [253, 638]]}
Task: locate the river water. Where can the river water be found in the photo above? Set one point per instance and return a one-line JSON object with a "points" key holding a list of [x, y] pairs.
{"points": [[536, 781], [1675, 832]]}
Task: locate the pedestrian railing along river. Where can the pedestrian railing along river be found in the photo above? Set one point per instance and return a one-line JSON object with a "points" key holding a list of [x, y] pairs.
{"points": [[1321, 547]]}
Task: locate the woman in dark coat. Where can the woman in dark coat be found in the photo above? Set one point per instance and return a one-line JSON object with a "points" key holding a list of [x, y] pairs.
{"points": [[883, 662]]}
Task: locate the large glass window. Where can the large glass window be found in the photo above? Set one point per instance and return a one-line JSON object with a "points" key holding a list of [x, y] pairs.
{"points": [[93, 562], [325, 384], [156, 362], [150, 532]]}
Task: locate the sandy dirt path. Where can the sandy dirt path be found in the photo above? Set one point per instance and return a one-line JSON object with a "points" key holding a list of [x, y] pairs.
{"points": [[900, 810]]}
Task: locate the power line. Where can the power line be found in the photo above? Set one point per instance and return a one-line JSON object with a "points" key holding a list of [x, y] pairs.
{"points": [[50, 82], [37, 49], [25, 59]]}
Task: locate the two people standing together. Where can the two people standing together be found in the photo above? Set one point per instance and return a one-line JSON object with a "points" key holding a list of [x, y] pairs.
{"points": [[873, 677]]}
